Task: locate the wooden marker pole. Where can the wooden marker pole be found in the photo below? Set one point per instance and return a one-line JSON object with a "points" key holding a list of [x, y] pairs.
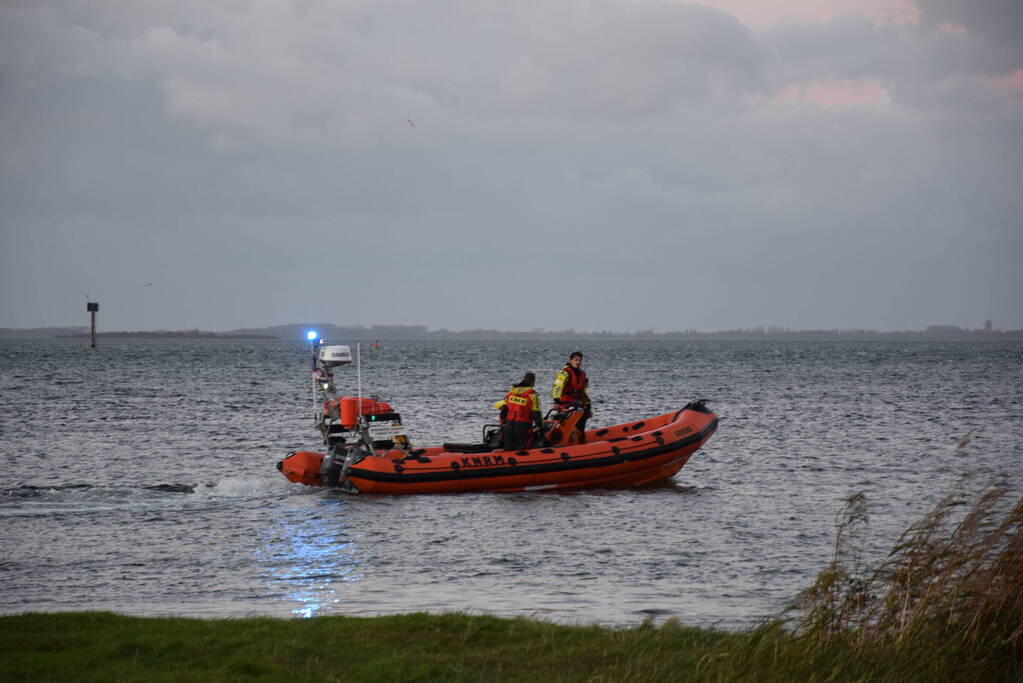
{"points": [[93, 308]]}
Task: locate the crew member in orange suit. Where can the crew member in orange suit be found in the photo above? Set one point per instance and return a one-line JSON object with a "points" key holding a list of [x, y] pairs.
{"points": [[520, 410]]}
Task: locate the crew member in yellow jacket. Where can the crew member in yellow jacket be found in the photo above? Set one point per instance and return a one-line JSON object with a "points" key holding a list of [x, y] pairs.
{"points": [[571, 386]]}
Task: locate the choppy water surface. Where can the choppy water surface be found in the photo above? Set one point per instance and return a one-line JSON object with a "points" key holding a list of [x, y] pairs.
{"points": [[139, 477]]}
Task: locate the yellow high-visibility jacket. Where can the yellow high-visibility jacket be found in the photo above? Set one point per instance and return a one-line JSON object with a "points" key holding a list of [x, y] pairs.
{"points": [[566, 387]]}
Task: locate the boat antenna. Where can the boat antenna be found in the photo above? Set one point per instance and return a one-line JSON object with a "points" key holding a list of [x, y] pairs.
{"points": [[314, 345], [367, 440]]}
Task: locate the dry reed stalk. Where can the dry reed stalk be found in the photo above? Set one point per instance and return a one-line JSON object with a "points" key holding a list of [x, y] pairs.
{"points": [[959, 583]]}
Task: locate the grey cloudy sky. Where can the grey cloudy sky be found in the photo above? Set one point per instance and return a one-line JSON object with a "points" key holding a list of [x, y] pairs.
{"points": [[594, 164]]}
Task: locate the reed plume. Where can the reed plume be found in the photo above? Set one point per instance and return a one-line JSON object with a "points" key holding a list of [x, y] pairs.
{"points": [[954, 579]]}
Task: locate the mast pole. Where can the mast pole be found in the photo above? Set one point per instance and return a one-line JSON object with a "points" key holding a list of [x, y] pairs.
{"points": [[316, 413]]}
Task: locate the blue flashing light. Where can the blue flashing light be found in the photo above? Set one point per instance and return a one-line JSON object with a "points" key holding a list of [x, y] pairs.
{"points": [[311, 335]]}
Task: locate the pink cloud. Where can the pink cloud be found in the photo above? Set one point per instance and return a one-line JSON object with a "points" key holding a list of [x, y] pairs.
{"points": [[831, 94], [952, 27], [1009, 85], [760, 13]]}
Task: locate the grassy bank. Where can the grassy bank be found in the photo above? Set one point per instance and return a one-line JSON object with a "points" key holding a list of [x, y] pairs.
{"points": [[417, 647], [947, 605]]}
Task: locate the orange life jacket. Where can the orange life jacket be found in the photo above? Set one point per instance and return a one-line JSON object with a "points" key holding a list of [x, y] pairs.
{"points": [[574, 386], [520, 405]]}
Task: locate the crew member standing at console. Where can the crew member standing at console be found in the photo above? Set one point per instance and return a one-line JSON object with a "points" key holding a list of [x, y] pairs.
{"points": [[519, 408], [570, 386]]}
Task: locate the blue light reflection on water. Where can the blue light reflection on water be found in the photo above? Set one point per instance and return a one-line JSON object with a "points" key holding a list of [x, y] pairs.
{"points": [[309, 558]]}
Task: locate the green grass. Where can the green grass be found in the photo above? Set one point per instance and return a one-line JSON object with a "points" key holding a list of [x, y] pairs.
{"points": [[947, 605], [417, 647]]}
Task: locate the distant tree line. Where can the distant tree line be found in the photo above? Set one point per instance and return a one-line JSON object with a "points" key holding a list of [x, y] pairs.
{"points": [[345, 333], [169, 334], [375, 332]]}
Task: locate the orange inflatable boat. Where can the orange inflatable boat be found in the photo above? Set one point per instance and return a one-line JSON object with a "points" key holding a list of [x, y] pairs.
{"points": [[625, 455], [368, 450]]}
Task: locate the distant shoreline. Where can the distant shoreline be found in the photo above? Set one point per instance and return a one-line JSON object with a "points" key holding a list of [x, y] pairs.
{"points": [[161, 334], [370, 333]]}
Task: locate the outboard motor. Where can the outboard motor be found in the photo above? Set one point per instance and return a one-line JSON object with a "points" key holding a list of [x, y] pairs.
{"points": [[352, 427]]}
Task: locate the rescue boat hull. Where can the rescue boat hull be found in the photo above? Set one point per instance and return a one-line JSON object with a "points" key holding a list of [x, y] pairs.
{"points": [[627, 455]]}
